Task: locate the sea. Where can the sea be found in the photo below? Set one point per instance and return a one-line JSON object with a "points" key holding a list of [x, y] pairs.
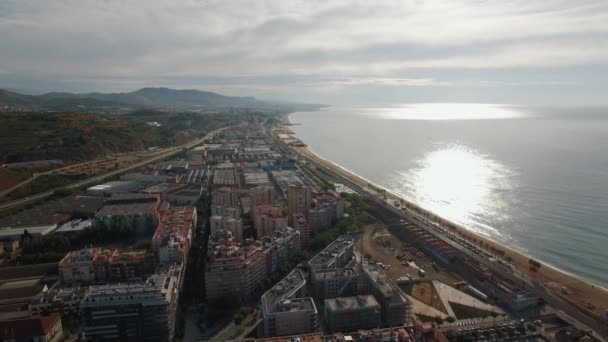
{"points": [[533, 178]]}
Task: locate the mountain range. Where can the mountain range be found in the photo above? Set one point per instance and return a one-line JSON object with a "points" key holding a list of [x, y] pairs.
{"points": [[145, 97]]}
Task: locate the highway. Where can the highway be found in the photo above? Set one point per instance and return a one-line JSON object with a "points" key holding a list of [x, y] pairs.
{"points": [[96, 179], [594, 323]]}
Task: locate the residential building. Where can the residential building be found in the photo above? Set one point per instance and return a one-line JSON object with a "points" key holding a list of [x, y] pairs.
{"points": [[171, 241], [96, 265], [131, 210], [227, 197], [261, 194], [286, 310], [284, 179], [132, 312], [64, 301], [234, 225], [348, 314], [221, 210], [334, 282], [40, 329], [321, 217], [232, 270], [265, 224], [279, 247], [338, 254], [396, 308], [299, 201], [301, 224], [267, 218]]}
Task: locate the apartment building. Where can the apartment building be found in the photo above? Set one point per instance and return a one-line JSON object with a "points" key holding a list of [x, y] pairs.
{"points": [[396, 308], [227, 197], [232, 270], [171, 241], [338, 254], [132, 312], [286, 310], [300, 223], [348, 314], [299, 200], [96, 265], [334, 282]]}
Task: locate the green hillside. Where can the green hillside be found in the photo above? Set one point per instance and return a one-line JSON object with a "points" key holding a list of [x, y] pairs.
{"points": [[71, 136]]}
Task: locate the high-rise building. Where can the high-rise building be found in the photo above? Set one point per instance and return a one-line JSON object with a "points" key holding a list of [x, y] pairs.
{"points": [[234, 225], [268, 218], [261, 194], [232, 270], [299, 200], [132, 312], [300, 223]]}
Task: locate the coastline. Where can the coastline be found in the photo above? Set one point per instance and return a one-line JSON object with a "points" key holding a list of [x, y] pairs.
{"points": [[590, 297]]}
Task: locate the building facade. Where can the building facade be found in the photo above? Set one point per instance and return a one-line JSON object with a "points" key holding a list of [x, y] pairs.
{"points": [[132, 312]]}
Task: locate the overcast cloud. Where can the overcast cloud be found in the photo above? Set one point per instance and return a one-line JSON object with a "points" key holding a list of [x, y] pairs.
{"points": [[338, 52]]}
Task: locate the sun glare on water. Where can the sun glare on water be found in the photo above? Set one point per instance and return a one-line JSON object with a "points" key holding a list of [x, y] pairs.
{"points": [[449, 111], [460, 184]]}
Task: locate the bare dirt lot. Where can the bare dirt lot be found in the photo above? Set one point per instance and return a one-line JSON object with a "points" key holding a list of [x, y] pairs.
{"points": [[400, 257]]}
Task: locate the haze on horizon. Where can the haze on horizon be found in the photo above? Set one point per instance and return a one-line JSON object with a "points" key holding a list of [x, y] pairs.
{"points": [[338, 52]]}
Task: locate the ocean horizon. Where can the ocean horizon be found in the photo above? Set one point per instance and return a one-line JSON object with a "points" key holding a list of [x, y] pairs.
{"points": [[534, 178]]}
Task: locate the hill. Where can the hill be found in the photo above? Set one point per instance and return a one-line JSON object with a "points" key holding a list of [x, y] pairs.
{"points": [[145, 98], [70, 136]]}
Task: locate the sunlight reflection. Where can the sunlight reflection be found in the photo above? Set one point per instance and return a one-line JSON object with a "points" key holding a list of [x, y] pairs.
{"points": [[449, 111], [461, 185]]}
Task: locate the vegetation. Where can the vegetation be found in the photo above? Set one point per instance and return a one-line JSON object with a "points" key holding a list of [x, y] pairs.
{"points": [[70, 136], [42, 184], [52, 248]]}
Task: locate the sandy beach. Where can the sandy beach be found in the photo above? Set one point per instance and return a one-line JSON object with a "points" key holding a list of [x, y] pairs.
{"points": [[589, 297]]}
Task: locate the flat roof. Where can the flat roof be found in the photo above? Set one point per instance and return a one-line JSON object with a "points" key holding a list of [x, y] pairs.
{"points": [[34, 230], [333, 250], [351, 303]]}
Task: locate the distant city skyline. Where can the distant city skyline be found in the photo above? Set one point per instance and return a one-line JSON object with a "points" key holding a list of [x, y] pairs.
{"points": [[338, 52]]}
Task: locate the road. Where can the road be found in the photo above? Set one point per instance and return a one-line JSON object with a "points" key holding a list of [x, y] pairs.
{"points": [[96, 179], [573, 311]]}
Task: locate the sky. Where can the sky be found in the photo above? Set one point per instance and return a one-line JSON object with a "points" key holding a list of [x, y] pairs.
{"points": [[333, 52]]}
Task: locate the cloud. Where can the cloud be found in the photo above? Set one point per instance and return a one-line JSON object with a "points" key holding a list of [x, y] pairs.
{"points": [[273, 44]]}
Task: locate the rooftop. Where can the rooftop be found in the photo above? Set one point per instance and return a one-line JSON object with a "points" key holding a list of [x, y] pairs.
{"points": [[176, 220], [334, 249], [351, 303], [283, 290], [332, 273]]}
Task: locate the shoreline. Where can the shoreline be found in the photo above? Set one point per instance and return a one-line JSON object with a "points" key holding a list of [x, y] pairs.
{"points": [[586, 294]]}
